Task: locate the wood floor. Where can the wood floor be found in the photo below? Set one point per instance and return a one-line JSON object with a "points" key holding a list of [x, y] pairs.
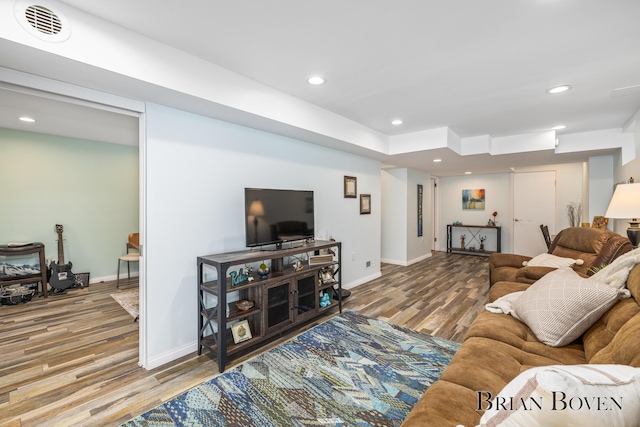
{"points": [[72, 360]]}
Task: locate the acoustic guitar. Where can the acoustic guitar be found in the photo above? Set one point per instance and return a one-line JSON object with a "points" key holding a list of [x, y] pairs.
{"points": [[61, 275]]}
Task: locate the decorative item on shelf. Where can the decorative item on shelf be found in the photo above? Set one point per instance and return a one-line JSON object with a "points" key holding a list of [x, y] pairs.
{"points": [[326, 275], [492, 222], [325, 300], [472, 248], [237, 277], [464, 236], [482, 239], [263, 271], [241, 331], [298, 266], [456, 223], [600, 222], [574, 213], [244, 305], [249, 269]]}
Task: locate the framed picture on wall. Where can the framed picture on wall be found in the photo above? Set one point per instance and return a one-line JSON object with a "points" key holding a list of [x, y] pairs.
{"points": [[473, 199], [420, 193], [350, 187], [365, 204]]}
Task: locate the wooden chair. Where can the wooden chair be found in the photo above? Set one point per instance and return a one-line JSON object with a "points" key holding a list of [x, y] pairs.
{"points": [[545, 234], [133, 242]]}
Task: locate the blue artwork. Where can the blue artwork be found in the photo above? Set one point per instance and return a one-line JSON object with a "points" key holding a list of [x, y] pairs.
{"points": [[237, 277]]}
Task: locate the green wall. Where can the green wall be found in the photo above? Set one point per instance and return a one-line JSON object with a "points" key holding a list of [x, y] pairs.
{"points": [[91, 188]]}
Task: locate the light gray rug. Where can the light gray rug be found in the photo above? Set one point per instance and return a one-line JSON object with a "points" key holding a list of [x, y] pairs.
{"points": [[129, 300]]}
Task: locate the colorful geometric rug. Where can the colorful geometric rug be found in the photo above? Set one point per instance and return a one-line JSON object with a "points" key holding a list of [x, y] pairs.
{"points": [[348, 371]]}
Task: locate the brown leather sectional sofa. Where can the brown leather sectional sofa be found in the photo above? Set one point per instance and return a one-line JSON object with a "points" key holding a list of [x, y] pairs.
{"points": [[498, 347], [594, 246]]}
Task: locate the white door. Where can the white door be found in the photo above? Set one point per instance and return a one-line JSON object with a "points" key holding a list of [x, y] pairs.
{"points": [[534, 203]]}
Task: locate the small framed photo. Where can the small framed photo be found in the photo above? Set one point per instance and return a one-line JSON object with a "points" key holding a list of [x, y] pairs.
{"points": [[365, 204], [241, 331], [326, 275], [350, 187]]}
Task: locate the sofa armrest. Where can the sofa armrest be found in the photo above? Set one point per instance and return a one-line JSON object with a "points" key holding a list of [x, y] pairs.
{"points": [[507, 260], [531, 274]]}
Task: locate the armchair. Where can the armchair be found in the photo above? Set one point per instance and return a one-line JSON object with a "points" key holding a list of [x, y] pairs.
{"points": [[594, 246]]}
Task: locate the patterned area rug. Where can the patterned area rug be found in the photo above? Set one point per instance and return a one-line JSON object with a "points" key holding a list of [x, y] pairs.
{"points": [[348, 371], [129, 300]]}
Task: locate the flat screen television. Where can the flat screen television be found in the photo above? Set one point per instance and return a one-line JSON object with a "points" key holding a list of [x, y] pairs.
{"points": [[277, 216]]}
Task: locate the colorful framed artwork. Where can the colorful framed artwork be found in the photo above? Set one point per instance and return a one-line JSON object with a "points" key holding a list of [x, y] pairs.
{"points": [[473, 199]]}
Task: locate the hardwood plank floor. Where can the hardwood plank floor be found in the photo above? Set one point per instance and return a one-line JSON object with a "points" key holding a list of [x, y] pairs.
{"points": [[72, 360]]}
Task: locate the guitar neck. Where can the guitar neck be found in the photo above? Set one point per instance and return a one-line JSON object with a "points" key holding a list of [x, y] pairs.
{"points": [[60, 250]]}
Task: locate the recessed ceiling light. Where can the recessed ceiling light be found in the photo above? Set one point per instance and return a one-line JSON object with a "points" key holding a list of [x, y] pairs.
{"points": [[558, 89], [437, 160], [467, 173], [559, 127], [27, 119], [396, 122], [316, 80]]}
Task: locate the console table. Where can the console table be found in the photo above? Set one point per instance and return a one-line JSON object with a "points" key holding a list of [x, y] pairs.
{"points": [[23, 250], [284, 299], [474, 236]]}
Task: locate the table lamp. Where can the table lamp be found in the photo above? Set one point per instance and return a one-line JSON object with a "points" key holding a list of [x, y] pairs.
{"points": [[625, 204]]}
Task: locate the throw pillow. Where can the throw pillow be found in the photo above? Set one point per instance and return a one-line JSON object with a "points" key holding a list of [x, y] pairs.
{"points": [[566, 395], [550, 260], [560, 306]]}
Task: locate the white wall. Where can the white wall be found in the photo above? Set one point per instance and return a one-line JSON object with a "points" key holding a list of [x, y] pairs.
{"points": [[400, 241], [418, 248], [394, 216], [497, 199], [88, 187], [197, 169], [601, 182]]}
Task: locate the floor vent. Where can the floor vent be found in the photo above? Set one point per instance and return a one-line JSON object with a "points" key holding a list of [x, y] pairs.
{"points": [[42, 20]]}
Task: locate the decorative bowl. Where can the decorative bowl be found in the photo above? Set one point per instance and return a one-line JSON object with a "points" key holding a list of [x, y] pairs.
{"points": [[244, 305]]}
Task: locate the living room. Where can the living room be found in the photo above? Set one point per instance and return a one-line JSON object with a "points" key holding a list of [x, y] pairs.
{"points": [[194, 168]]}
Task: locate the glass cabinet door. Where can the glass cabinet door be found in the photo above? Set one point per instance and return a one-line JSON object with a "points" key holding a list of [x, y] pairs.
{"points": [[279, 312], [306, 296]]}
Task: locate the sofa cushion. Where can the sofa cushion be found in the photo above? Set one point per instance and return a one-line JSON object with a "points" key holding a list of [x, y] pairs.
{"points": [[550, 260], [567, 395], [625, 313], [562, 305]]}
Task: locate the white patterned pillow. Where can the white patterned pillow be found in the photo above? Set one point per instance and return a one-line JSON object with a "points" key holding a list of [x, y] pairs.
{"points": [[560, 306], [566, 395], [550, 260]]}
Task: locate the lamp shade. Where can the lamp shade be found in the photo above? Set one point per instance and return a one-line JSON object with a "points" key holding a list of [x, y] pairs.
{"points": [[625, 203], [256, 208]]}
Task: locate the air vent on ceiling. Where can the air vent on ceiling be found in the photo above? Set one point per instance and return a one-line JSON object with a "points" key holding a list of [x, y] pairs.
{"points": [[42, 20]]}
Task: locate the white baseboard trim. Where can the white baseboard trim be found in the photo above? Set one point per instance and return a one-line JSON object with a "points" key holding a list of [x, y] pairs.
{"points": [[362, 280], [169, 357], [406, 263], [93, 280]]}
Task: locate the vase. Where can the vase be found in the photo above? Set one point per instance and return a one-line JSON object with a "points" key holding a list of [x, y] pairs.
{"points": [[461, 243], [482, 246]]}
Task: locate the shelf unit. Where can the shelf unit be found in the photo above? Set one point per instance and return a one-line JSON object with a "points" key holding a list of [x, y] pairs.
{"points": [[283, 300], [474, 232]]}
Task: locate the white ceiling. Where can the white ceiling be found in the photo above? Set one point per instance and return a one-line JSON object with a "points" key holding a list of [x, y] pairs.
{"points": [[478, 67]]}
